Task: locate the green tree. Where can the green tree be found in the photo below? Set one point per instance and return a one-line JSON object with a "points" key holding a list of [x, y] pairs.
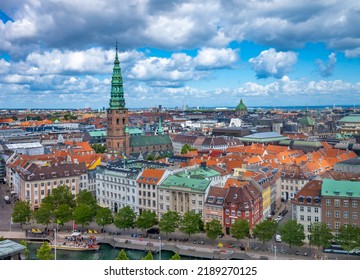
{"points": [[240, 229], [292, 233], [265, 230], [349, 237], [63, 214], [175, 257], [122, 256], [83, 214], [150, 157], [99, 148], [320, 235], [43, 214], [169, 222], [104, 217], [44, 252], [149, 256], [190, 223], [60, 196], [213, 229], [86, 197], [146, 220], [21, 212], [125, 218], [185, 149], [26, 251]]}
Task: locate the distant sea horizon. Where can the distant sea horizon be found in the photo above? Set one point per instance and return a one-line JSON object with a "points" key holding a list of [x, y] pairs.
{"points": [[283, 107]]}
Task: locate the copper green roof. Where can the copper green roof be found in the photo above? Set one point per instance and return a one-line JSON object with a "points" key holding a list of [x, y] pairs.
{"points": [[197, 185], [143, 140], [97, 133], [241, 106], [340, 188], [199, 173], [308, 121], [350, 119], [263, 137], [9, 248], [102, 133]]}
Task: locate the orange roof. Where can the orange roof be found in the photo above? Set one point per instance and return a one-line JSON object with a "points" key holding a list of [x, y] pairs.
{"points": [[231, 182], [230, 165], [274, 149], [8, 120], [236, 149], [151, 176]]}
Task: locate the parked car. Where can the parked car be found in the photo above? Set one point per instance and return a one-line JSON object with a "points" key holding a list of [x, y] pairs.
{"points": [[284, 212], [278, 218], [277, 237]]}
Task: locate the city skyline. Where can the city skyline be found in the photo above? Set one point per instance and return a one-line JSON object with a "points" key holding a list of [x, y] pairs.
{"points": [[60, 54]]}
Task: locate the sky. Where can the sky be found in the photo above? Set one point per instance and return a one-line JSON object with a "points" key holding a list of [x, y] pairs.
{"points": [[60, 53]]}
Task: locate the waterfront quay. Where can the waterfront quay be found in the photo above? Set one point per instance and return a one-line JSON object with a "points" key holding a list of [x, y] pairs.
{"points": [[189, 249]]}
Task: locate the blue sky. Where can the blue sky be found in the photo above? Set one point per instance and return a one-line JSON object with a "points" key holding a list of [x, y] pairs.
{"points": [[60, 53]]}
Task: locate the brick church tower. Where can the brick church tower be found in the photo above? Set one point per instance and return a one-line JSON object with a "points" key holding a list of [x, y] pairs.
{"points": [[117, 138]]}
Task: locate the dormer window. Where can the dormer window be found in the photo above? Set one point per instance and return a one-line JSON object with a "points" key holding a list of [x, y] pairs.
{"points": [[301, 199], [53, 174], [66, 173], [42, 176], [308, 199]]}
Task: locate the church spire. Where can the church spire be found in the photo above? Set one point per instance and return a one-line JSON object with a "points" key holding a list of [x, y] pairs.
{"points": [[160, 129], [117, 99]]}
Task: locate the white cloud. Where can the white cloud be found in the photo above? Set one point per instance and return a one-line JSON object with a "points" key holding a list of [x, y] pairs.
{"points": [[326, 68], [216, 58], [271, 63], [353, 53]]}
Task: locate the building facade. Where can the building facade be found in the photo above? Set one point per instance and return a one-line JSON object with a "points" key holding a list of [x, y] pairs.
{"points": [[340, 203], [35, 182], [306, 206]]}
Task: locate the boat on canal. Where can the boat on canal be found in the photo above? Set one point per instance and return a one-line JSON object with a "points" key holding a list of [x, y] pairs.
{"points": [[76, 242]]}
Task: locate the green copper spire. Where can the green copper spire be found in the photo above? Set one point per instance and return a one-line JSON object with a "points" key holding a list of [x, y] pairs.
{"points": [[117, 100], [160, 129]]}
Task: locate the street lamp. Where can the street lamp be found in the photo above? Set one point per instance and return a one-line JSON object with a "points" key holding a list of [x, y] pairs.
{"points": [[275, 251], [159, 247], [55, 242]]}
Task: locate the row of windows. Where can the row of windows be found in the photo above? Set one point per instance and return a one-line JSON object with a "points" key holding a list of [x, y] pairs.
{"points": [[144, 193], [291, 188], [116, 187], [345, 203], [61, 182], [236, 213], [309, 218], [214, 217], [144, 186], [147, 202], [337, 225], [337, 214], [116, 180], [316, 209]]}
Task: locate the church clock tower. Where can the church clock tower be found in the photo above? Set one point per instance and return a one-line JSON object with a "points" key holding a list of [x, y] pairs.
{"points": [[117, 138]]}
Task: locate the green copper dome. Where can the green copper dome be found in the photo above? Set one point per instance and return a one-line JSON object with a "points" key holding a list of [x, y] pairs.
{"points": [[241, 106]]}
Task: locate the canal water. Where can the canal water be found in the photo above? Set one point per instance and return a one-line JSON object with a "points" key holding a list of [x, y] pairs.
{"points": [[106, 252]]}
